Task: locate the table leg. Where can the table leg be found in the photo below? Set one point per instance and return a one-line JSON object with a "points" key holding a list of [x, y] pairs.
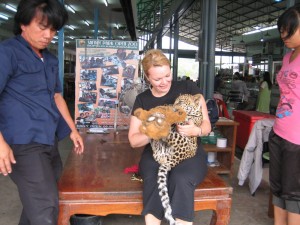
{"points": [[221, 215], [63, 216]]}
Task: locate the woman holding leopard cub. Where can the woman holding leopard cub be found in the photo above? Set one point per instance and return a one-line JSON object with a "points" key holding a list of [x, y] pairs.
{"points": [[183, 178]]}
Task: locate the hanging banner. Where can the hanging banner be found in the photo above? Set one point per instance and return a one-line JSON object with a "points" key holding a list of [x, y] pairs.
{"points": [[104, 68]]}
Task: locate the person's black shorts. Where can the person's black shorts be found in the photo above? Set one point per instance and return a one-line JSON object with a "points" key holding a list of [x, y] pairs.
{"points": [[284, 168], [288, 205]]}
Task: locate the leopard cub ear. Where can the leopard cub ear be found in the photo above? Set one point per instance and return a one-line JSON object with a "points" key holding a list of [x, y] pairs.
{"points": [[197, 97]]}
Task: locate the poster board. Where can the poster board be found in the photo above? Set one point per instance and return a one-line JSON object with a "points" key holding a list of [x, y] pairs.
{"points": [[104, 68]]}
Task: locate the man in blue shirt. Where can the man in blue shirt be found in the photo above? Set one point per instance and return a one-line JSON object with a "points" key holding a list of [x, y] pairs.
{"points": [[33, 113]]}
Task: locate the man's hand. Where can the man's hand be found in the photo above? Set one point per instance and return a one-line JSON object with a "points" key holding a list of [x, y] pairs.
{"points": [[6, 159], [77, 141]]}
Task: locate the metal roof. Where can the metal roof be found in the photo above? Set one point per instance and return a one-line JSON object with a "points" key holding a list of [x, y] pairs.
{"points": [[127, 20]]}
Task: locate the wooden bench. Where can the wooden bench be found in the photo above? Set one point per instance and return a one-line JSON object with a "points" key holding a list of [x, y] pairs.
{"points": [[95, 183]]}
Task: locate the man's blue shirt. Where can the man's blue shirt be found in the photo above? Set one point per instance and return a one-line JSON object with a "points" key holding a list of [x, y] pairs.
{"points": [[28, 112]]}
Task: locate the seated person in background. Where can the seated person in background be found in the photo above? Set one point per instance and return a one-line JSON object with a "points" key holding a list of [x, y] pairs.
{"points": [[264, 94], [239, 85], [217, 87], [218, 82]]}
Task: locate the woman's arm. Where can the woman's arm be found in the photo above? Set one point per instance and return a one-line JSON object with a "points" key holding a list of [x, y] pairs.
{"points": [[205, 125], [136, 138], [263, 85]]}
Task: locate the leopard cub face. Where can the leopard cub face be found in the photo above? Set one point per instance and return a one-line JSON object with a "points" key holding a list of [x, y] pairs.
{"points": [[157, 122]]}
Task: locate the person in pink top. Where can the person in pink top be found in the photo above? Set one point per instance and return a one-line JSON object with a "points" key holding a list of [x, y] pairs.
{"points": [[284, 139]]}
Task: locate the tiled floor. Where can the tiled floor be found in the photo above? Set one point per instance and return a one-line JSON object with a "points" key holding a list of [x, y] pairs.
{"points": [[246, 209]]}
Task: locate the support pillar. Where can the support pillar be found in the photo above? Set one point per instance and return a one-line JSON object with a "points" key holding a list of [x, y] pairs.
{"points": [[176, 38], [61, 54]]}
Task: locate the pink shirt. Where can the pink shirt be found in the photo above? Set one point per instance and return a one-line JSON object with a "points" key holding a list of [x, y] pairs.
{"points": [[287, 123]]}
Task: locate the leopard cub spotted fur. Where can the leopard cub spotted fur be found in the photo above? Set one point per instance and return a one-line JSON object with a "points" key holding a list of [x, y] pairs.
{"points": [[172, 148], [181, 147]]}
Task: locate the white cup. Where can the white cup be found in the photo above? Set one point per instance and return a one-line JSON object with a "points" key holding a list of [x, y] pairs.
{"points": [[211, 157], [221, 142]]}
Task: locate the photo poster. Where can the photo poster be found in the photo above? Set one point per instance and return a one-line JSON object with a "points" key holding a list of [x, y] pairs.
{"points": [[104, 68]]}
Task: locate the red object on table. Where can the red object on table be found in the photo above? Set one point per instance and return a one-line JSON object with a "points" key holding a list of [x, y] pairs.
{"points": [[132, 169], [247, 120]]}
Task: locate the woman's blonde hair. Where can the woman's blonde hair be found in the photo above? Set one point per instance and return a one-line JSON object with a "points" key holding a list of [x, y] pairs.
{"points": [[154, 57]]}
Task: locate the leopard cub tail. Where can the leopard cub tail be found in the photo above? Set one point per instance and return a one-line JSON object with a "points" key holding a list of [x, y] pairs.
{"points": [[163, 193]]}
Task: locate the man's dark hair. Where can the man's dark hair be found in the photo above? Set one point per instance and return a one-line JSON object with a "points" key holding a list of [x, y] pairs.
{"points": [[52, 10]]}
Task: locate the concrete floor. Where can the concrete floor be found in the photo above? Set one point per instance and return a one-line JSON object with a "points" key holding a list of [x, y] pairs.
{"points": [[246, 209]]}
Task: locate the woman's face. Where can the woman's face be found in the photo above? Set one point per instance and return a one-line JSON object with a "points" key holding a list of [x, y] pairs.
{"points": [[160, 78], [293, 41]]}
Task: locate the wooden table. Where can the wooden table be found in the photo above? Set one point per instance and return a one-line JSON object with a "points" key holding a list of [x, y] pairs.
{"points": [[95, 183]]}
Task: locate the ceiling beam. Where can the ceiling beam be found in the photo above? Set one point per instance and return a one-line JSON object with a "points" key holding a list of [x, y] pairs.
{"points": [[128, 13], [177, 6]]}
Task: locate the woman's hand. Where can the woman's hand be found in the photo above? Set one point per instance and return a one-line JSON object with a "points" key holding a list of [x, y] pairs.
{"points": [[189, 129]]}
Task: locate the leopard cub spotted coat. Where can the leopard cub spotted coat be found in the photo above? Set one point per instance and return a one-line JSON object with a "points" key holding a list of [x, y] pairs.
{"points": [[171, 149]]}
